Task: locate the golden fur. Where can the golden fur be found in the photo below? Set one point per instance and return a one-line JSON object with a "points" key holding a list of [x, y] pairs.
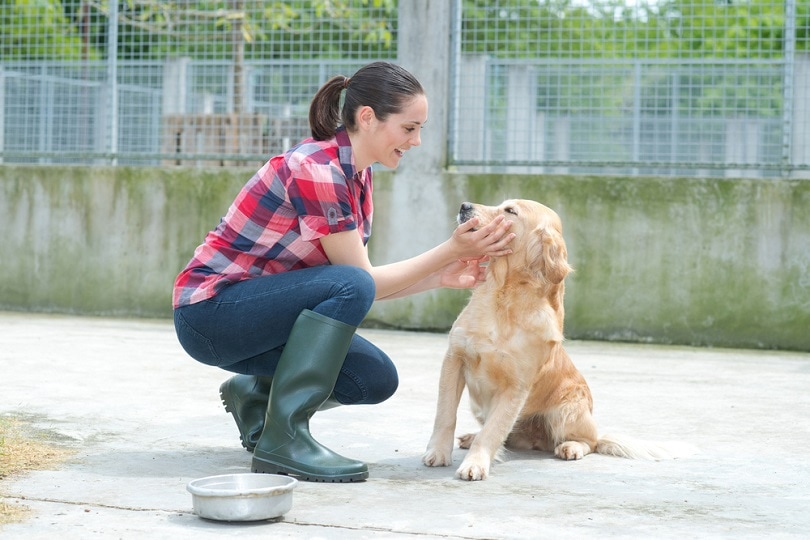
{"points": [[506, 347]]}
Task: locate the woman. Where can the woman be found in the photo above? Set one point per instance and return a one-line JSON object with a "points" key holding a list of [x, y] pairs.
{"points": [[276, 291]]}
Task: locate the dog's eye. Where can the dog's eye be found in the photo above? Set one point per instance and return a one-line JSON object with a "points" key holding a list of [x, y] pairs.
{"points": [[510, 210]]}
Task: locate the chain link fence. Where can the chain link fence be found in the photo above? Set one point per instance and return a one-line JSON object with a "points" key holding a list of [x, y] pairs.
{"points": [[682, 87], [173, 82], [674, 87]]}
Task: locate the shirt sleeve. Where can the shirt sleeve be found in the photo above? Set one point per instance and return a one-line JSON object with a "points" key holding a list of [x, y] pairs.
{"points": [[322, 197]]}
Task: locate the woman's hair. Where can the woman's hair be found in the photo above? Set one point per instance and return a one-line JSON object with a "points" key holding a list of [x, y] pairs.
{"points": [[383, 86]]}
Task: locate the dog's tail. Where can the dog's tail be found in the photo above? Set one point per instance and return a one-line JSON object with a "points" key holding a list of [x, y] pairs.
{"points": [[631, 448]]}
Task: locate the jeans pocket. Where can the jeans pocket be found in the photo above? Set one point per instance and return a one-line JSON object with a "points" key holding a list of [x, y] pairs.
{"points": [[194, 343]]}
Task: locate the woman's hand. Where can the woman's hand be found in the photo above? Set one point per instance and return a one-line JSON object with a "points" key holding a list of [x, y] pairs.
{"points": [[464, 273], [490, 241]]}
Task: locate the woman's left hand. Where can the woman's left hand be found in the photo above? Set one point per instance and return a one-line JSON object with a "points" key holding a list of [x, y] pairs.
{"points": [[464, 273], [468, 240]]}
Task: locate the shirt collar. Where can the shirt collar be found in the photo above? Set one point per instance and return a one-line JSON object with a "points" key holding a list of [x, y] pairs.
{"points": [[345, 154]]}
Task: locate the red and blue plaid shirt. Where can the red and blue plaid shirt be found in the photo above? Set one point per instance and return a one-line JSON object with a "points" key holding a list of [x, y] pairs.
{"points": [[275, 223]]}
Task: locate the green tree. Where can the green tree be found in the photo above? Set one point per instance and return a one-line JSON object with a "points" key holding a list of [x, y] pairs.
{"points": [[614, 29], [38, 30], [212, 29], [710, 29], [240, 30]]}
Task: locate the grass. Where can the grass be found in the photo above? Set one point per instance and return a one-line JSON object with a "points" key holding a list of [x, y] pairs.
{"points": [[23, 449]]}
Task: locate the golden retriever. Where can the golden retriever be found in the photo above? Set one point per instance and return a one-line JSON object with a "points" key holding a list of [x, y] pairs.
{"points": [[506, 347]]}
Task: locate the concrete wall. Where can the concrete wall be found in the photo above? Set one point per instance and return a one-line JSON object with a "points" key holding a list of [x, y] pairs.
{"points": [[103, 241], [717, 262]]}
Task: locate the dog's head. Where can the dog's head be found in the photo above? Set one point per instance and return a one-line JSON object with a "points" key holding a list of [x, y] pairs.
{"points": [[538, 250]]}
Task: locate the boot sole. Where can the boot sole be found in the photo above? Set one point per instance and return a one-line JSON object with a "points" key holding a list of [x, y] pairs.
{"points": [[230, 410], [266, 467]]}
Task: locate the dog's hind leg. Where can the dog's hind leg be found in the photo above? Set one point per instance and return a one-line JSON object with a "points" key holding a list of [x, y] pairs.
{"points": [[573, 431], [466, 440]]}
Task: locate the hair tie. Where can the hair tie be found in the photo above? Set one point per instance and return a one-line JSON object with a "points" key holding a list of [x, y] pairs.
{"points": [[346, 82]]}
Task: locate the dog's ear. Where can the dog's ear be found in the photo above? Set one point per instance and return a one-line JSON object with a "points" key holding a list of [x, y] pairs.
{"points": [[549, 256]]}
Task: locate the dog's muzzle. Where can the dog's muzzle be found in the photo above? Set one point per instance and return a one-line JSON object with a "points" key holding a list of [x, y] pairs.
{"points": [[465, 213]]}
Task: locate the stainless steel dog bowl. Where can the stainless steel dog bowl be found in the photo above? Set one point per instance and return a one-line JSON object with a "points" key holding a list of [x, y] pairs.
{"points": [[242, 497]]}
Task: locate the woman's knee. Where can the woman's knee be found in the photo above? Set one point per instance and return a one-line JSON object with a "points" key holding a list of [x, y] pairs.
{"points": [[368, 375], [196, 344], [382, 388], [355, 389], [351, 295], [362, 285]]}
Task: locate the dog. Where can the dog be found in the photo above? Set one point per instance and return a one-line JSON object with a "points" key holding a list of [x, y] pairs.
{"points": [[506, 347]]}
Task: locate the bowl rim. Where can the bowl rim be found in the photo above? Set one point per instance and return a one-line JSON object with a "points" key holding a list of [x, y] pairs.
{"points": [[194, 489]]}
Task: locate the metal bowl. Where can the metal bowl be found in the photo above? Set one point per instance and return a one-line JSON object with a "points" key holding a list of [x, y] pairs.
{"points": [[242, 497]]}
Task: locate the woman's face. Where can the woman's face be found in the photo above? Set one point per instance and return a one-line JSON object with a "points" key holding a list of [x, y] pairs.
{"points": [[399, 132]]}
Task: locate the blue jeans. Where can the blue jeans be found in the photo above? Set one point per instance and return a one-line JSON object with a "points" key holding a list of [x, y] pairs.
{"points": [[244, 327]]}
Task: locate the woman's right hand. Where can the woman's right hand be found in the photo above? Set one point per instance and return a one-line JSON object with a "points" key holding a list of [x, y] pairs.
{"points": [[491, 240]]}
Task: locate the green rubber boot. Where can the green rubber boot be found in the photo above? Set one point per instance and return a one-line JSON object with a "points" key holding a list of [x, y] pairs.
{"points": [[245, 397], [303, 382]]}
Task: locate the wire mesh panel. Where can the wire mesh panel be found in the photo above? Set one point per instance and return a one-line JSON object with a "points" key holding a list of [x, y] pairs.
{"points": [[174, 82], [680, 87], [633, 86]]}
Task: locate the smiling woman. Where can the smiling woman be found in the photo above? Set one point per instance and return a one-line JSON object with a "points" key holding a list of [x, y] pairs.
{"points": [[277, 289]]}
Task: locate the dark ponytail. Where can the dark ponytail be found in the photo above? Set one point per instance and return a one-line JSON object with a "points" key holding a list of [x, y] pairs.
{"points": [[383, 86]]}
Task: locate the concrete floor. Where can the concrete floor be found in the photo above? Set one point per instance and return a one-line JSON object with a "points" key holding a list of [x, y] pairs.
{"points": [[145, 419]]}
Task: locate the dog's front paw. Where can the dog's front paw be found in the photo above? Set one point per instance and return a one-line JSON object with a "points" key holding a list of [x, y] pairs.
{"points": [[472, 469], [435, 458], [571, 450]]}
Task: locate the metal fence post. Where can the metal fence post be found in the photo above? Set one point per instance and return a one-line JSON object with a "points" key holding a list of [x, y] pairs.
{"points": [[800, 145], [2, 112], [112, 80], [787, 108], [636, 148]]}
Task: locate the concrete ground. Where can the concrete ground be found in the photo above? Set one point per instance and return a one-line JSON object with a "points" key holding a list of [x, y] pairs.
{"points": [[145, 419]]}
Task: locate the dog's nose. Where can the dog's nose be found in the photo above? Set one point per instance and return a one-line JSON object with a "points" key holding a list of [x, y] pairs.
{"points": [[465, 213]]}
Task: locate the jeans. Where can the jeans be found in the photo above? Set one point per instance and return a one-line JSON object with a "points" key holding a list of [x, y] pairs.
{"points": [[244, 327]]}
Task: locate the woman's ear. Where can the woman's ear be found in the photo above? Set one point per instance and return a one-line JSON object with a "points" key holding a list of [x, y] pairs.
{"points": [[366, 117]]}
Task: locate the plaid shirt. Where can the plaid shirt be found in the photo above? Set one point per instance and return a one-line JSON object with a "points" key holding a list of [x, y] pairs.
{"points": [[275, 222]]}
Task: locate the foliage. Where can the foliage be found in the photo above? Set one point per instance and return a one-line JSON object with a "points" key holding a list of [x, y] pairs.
{"points": [[616, 29], [328, 29], [210, 29], [39, 30], [703, 31], [72, 29]]}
